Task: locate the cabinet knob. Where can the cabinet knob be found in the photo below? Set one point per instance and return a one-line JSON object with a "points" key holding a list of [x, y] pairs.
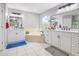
{"points": [[78, 43], [77, 36], [77, 52], [58, 36]]}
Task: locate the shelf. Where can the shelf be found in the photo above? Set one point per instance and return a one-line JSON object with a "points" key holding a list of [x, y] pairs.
{"points": [[72, 12]]}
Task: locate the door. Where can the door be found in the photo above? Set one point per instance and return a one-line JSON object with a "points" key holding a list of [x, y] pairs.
{"points": [[1, 35]]}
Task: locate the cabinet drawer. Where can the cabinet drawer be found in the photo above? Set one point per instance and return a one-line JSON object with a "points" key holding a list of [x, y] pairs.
{"points": [[75, 35], [75, 53], [75, 49], [75, 41], [75, 45]]}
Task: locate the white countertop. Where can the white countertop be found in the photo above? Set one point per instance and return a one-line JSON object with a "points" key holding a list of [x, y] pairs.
{"points": [[69, 31]]}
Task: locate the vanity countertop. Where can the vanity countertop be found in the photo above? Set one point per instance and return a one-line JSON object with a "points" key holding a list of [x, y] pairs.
{"points": [[69, 31]]}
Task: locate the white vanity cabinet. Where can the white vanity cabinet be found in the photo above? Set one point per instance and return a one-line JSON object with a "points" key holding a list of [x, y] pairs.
{"points": [[62, 40], [66, 42], [75, 43], [15, 35]]}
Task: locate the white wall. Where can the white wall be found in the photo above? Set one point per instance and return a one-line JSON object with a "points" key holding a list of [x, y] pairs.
{"points": [[67, 21], [31, 21], [49, 12]]}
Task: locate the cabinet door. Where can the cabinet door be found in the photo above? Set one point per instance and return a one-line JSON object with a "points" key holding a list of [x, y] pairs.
{"points": [[66, 42], [48, 37], [20, 35], [54, 39], [56, 36], [11, 36], [75, 44]]}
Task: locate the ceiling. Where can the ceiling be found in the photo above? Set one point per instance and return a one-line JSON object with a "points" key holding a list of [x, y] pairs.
{"points": [[32, 7]]}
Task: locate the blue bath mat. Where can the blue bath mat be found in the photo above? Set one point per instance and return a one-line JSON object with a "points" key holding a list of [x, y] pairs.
{"points": [[16, 44]]}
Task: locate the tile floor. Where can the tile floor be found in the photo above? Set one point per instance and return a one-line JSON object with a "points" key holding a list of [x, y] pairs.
{"points": [[31, 49]]}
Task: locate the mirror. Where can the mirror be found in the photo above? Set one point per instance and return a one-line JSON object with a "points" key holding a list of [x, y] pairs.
{"points": [[75, 22], [15, 22]]}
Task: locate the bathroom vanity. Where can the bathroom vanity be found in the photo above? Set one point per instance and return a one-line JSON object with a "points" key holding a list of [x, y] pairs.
{"points": [[65, 40], [15, 30]]}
